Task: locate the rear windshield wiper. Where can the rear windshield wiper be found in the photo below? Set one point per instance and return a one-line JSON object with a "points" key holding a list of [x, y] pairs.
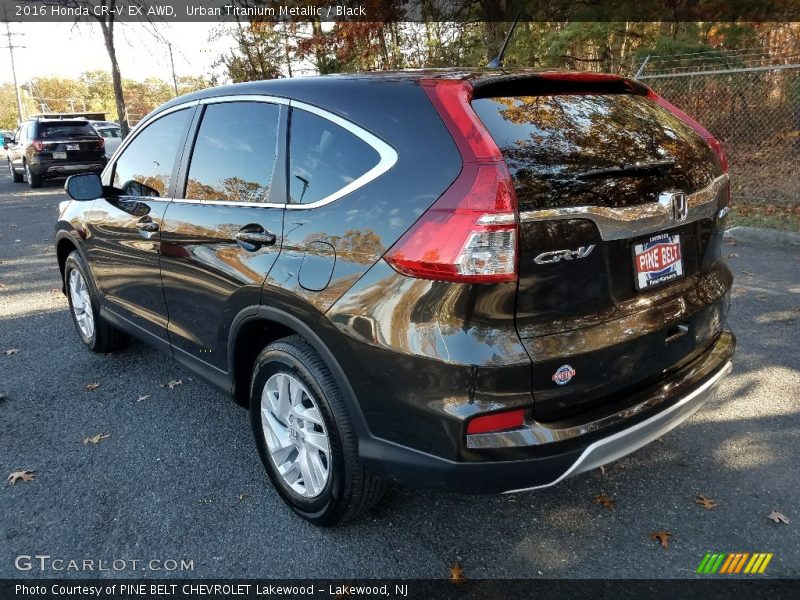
{"points": [[656, 167]]}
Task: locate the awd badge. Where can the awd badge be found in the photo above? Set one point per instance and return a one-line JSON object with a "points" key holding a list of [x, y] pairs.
{"points": [[563, 375]]}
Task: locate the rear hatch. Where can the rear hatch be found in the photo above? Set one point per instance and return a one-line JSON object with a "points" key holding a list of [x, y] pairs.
{"points": [[69, 141], [610, 262]]}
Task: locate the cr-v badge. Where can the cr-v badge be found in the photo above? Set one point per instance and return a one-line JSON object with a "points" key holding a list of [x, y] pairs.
{"points": [[556, 255]]}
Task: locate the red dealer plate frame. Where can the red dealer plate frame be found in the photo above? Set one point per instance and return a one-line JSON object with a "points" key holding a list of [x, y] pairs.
{"points": [[657, 260]]}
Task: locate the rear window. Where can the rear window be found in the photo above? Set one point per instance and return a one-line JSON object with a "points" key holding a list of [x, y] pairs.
{"points": [[110, 133], [65, 129], [559, 147]]}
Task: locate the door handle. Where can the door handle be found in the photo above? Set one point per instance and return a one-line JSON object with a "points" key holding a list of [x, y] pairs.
{"points": [[256, 238], [149, 226]]}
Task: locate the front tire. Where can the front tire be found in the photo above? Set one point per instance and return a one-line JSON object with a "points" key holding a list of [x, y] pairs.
{"points": [[84, 304], [304, 436], [15, 177]]}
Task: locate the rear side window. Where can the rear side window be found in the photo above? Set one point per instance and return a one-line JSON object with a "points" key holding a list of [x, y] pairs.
{"points": [[234, 153], [65, 130], [145, 166], [324, 158]]}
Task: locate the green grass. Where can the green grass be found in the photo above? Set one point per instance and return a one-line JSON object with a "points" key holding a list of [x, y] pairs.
{"points": [[786, 218]]}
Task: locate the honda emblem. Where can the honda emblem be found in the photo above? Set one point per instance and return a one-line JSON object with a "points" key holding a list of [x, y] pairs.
{"points": [[677, 203]]}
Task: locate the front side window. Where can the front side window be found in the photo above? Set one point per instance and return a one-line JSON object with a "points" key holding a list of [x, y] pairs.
{"points": [[324, 158], [234, 153], [145, 167]]}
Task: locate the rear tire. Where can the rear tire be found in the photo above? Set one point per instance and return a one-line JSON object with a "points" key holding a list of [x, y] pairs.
{"points": [[15, 177], [35, 181], [307, 445], [84, 304]]}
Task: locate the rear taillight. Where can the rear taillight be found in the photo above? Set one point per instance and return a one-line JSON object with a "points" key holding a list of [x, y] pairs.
{"points": [[37, 145], [101, 143], [714, 144], [511, 419], [470, 233]]}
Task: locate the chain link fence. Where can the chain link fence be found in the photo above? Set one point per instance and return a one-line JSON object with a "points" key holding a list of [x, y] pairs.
{"points": [[752, 107]]}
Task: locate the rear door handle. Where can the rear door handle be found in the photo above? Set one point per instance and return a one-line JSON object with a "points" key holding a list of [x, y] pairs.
{"points": [[256, 238], [149, 226]]}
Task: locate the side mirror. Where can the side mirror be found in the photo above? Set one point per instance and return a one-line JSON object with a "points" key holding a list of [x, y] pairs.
{"points": [[7, 141], [85, 186]]}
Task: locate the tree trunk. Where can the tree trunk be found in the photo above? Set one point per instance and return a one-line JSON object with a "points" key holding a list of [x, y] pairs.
{"points": [[108, 35]]}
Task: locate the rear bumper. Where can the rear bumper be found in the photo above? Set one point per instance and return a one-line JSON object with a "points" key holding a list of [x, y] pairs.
{"points": [[587, 446], [62, 169]]}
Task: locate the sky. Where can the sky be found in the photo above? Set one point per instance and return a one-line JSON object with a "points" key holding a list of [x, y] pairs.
{"points": [[66, 50]]}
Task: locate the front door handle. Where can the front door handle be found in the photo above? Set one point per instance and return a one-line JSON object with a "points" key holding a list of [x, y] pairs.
{"points": [[256, 238], [148, 226]]}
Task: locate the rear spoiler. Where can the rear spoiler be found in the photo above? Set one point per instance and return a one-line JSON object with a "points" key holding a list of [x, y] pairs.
{"points": [[555, 82]]}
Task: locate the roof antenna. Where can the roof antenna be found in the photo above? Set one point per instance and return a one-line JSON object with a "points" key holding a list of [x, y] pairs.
{"points": [[497, 62]]}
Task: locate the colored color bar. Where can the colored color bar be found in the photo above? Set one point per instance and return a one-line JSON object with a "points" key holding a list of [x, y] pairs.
{"points": [[718, 562], [741, 562], [753, 560], [764, 564], [703, 563], [731, 559]]}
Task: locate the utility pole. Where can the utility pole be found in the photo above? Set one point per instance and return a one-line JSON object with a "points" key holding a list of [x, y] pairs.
{"points": [[172, 62], [11, 47]]}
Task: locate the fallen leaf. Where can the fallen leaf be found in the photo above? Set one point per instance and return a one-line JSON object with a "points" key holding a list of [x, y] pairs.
{"points": [[90, 387], [456, 572], [11, 351], [662, 537], [739, 290], [762, 297], [732, 243], [243, 496], [602, 470], [96, 439], [172, 384], [143, 397], [606, 501], [21, 476], [707, 503], [3, 286], [778, 517], [734, 255], [748, 273]]}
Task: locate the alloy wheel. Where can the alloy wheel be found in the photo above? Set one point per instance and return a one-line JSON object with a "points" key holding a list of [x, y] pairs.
{"points": [[81, 304], [297, 440]]}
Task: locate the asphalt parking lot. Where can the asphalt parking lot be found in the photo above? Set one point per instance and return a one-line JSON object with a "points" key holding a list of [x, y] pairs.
{"points": [[179, 478]]}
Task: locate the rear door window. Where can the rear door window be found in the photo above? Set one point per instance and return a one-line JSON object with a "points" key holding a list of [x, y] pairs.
{"points": [[145, 166], [324, 158], [234, 153]]}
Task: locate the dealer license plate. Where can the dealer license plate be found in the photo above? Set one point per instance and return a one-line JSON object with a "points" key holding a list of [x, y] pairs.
{"points": [[657, 261], [59, 155]]}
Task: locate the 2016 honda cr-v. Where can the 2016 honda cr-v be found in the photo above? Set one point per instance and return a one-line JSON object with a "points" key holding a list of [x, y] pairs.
{"points": [[463, 280]]}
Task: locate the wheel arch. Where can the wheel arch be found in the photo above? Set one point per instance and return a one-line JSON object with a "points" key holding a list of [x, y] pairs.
{"points": [[65, 245], [256, 327]]}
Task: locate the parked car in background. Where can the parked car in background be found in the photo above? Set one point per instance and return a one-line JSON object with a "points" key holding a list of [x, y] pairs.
{"points": [[474, 281], [112, 137], [7, 135], [44, 148]]}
